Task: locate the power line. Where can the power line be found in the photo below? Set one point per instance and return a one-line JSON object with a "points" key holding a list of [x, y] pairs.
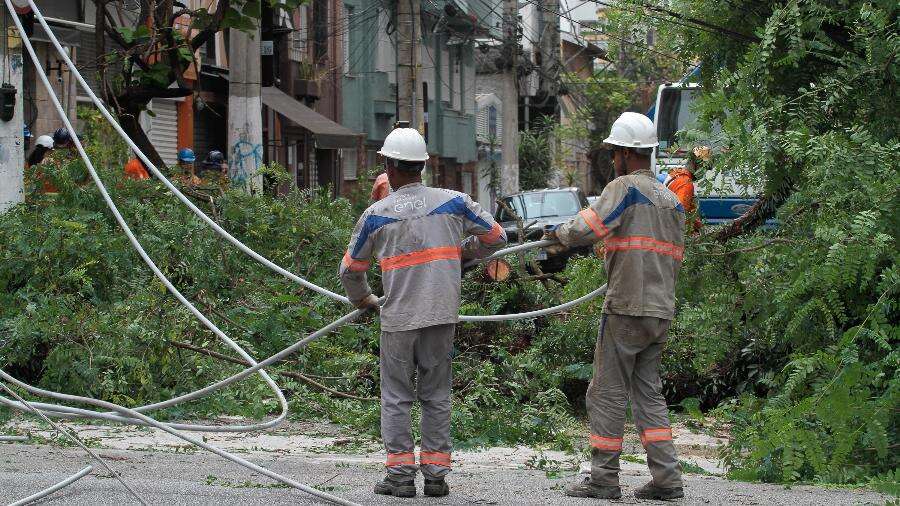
{"points": [[644, 47]]}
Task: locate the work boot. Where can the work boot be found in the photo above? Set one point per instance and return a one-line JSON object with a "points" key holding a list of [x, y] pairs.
{"points": [[587, 488], [436, 487], [397, 487], [651, 491]]}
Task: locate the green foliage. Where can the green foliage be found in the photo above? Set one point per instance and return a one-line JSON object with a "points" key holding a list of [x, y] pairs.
{"points": [[800, 323], [82, 313], [536, 156]]}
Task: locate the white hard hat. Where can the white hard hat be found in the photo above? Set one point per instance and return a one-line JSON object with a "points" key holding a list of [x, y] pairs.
{"points": [[632, 130], [45, 141], [405, 144]]}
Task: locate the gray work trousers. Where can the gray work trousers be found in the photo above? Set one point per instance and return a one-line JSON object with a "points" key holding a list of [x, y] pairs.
{"points": [[424, 353], [626, 365]]}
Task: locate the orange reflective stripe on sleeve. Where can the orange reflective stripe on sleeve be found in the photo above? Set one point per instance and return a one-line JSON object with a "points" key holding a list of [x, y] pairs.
{"points": [[656, 435], [645, 244], [421, 257], [613, 444], [492, 237], [435, 458], [593, 220], [355, 265], [401, 459]]}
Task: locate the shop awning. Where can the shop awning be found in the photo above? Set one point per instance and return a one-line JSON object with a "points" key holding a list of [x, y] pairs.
{"points": [[329, 135]]}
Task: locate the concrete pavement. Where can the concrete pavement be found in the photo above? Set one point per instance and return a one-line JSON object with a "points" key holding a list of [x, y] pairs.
{"points": [[185, 477]]}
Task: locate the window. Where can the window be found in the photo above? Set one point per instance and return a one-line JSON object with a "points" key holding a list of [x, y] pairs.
{"points": [[550, 204], [344, 26], [515, 203], [467, 182], [299, 35], [320, 30], [348, 157], [492, 122]]}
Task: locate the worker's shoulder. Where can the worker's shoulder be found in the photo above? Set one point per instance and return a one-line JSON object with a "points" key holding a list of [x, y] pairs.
{"points": [[643, 187], [448, 193]]}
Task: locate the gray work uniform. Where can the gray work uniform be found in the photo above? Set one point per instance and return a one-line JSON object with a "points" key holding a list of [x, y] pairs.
{"points": [[641, 223], [416, 234]]}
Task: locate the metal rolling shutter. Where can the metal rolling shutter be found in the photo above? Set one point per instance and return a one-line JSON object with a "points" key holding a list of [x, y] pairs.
{"points": [[164, 130]]}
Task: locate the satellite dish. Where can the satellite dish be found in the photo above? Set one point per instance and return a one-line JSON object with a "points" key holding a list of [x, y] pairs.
{"points": [[21, 6]]}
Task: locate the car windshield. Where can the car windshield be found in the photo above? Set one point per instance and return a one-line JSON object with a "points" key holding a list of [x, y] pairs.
{"points": [[532, 206]]}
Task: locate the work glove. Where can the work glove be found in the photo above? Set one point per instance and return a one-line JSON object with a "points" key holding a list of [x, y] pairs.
{"points": [[370, 302], [553, 249]]}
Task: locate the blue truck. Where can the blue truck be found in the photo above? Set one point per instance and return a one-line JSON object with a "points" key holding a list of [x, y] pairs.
{"points": [[720, 197]]}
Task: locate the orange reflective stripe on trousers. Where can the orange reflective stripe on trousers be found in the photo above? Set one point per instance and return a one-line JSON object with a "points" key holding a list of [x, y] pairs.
{"points": [[435, 458], [401, 459]]}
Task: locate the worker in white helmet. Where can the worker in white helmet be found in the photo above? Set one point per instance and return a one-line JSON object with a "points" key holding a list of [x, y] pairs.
{"points": [[414, 233], [641, 223]]}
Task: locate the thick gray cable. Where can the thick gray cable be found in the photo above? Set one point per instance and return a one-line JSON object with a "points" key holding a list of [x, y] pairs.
{"points": [[137, 245], [159, 425], [74, 440], [13, 439], [47, 491], [215, 226]]}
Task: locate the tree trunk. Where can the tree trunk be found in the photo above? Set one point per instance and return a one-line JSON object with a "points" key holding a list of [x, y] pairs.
{"points": [[756, 216], [131, 125]]}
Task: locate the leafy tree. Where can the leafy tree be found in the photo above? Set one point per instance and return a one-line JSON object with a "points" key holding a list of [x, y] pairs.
{"points": [[801, 322], [148, 59], [536, 156]]}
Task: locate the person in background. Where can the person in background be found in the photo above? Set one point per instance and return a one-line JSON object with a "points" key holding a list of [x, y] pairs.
{"points": [[62, 139], [53, 154], [215, 161], [42, 146], [186, 174], [381, 188], [134, 169], [681, 182]]}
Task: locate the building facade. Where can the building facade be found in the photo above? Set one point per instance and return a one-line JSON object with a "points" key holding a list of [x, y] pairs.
{"points": [[446, 80]]}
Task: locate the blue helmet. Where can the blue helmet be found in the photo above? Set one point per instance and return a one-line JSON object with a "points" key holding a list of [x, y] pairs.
{"points": [[186, 155]]}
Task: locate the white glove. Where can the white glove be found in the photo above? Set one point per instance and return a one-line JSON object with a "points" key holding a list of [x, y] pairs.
{"points": [[370, 302]]}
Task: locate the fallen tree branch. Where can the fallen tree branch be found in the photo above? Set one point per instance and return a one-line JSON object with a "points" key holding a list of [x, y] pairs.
{"points": [[770, 242], [289, 374]]}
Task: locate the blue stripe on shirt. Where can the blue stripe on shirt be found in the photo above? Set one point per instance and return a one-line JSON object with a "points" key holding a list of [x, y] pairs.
{"points": [[458, 206], [372, 223], [633, 197]]}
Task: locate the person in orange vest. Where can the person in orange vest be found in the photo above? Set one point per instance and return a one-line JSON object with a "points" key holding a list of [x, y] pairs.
{"points": [[134, 169], [381, 188], [681, 181]]}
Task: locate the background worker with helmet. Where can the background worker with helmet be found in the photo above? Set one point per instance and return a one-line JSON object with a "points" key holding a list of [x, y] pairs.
{"points": [[50, 155], [186, 174], [641, 224], [414, 233], [681, 182]]}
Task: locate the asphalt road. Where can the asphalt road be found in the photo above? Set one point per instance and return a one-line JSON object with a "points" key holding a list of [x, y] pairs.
{"points": [[168, 478]]}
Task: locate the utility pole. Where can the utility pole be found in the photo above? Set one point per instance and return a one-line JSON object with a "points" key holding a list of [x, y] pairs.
{"points": [[12, 142], [409, 31], [245, 143], [509, 172], [550, 75]]}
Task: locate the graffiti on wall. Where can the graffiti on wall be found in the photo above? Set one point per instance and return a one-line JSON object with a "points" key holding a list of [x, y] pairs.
{"points": [[245, 160]]}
